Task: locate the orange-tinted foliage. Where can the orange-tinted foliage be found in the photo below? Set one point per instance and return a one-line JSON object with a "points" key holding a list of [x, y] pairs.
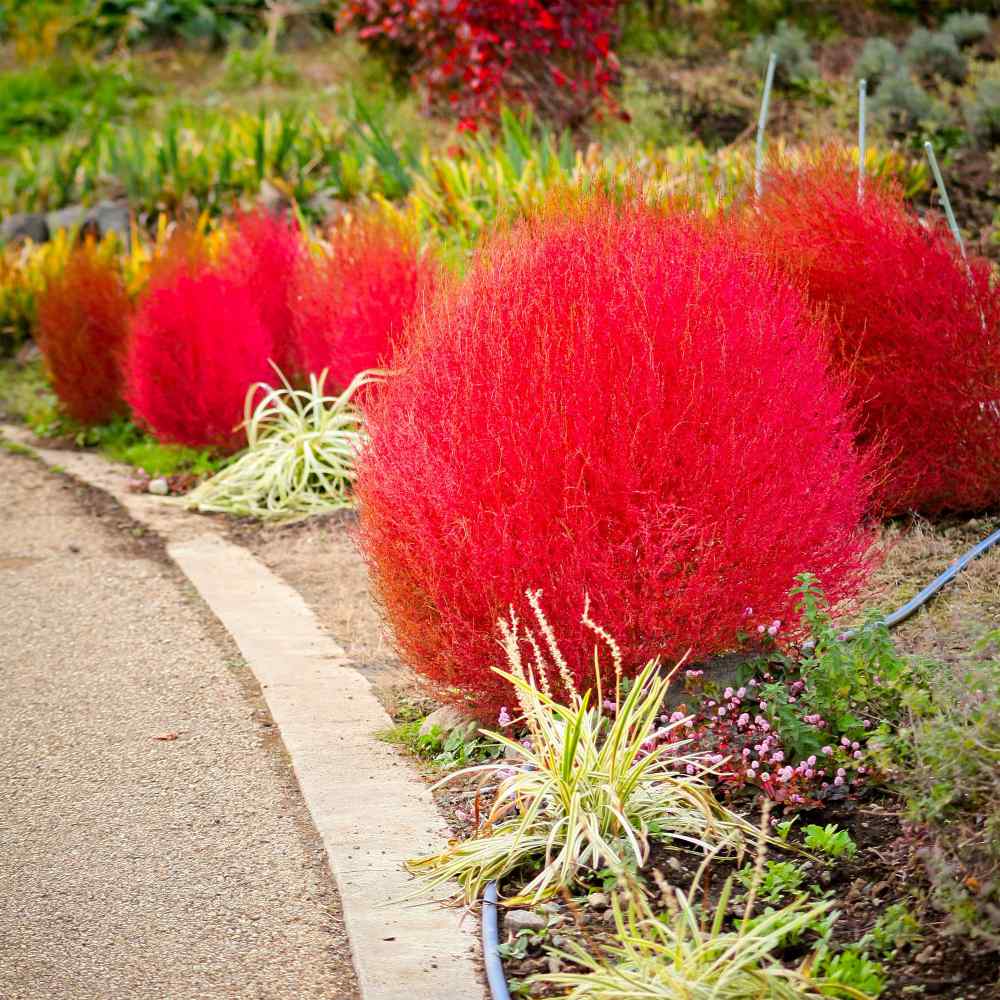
{"points": [[82, 331]]}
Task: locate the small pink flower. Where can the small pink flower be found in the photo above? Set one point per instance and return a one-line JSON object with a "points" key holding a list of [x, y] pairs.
{"points": [[858, 755], [504, 719], [838, 780]]}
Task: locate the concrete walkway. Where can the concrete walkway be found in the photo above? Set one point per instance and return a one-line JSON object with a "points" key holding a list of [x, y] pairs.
{"points": [[153, 841]]}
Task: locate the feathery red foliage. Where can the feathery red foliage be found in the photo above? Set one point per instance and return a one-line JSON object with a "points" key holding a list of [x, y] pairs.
{"points": [[197, 345], [263, 253], [615, 404], [352, 307], [917, 337], [82, 333]]}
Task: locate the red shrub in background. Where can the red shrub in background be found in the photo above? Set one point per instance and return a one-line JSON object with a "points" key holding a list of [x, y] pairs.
{"points": [[197, 345], [351, 307], [263, 253], [614, 404], [82, 333], [919, 342], [472, 54]]}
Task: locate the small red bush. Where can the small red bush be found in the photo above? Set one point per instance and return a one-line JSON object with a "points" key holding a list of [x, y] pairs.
{"points": [[473, 54], [614, 404], [918, 339], [352, 306], [263, 253], [82, 333], [197, 345]]}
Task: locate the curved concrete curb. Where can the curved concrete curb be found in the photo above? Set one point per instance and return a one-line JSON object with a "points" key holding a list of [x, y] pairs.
{"points": [[369, 805]]}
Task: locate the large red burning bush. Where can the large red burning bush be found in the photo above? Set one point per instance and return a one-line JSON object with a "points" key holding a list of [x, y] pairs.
{"points": [[351, 307], [263, 253], [82, 333], [915, 333], [614, 404], [198, 343]]}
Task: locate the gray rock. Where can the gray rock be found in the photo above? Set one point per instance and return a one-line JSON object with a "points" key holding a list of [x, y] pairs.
{"points": [[66, 218], [24, 226], [104, 217], [160, 487], [447, 719], [554, 963], [598, 901], [515, 921], [112, 217]]}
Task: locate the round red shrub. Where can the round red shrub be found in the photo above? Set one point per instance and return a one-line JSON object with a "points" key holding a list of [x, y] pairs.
{"points": [[197, 345], [82, 332], [916, 331], [352, 306], [615, 404], [263, 253]]}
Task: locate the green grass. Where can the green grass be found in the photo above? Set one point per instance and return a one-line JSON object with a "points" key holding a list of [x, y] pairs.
{"points": [[25, 396], [45, 100]]}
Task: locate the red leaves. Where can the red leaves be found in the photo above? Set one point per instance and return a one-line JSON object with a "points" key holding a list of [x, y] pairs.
{"points": [[352, 307], [474, 54], [198, 343], [607, 407], [82, 333], [917, 338]]}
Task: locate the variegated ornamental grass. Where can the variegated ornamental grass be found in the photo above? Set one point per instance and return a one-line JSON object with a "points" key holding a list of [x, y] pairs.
{"points": [[301, 448], [584, 791], [685, 952]]}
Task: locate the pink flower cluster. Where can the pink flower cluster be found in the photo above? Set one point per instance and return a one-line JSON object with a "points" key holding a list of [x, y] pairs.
{"points": [[747, 751]]}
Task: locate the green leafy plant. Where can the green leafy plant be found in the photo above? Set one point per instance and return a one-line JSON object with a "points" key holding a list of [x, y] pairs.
{"points": [[935, 53], [685, 952], [251, 67], [982, 113], [795, 65], [301, 449], [966, 27], [830, 840], [776, 880], [948, 770], [878, 59], [901, 102], [853, 969], [896, 928], [851, 681], [582, 791]]}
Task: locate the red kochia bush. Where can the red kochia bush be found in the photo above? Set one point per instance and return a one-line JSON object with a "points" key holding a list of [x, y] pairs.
{"points": [[918, 339], [263, 253], [351, 307], [197, 345], [82, 333], [614, 404]]}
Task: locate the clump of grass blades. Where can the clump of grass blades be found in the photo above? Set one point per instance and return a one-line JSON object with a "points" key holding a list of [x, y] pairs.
{"points": [[685, 952], [301, 448], [584, 791]]}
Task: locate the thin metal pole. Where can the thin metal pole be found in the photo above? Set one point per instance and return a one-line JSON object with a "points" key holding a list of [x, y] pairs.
{"points": [[945, 200], [862, 150], [758, 182]]}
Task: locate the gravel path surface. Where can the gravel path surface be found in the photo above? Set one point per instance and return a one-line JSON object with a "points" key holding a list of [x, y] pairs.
{"points": [[153, 843]]}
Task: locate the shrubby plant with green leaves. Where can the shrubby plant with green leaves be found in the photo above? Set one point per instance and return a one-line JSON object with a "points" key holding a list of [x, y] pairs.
{"points": [[795, 62], [878, 60], [935, 53]]}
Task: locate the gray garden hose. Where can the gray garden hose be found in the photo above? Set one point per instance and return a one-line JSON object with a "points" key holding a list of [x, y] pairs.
{"points": [[491, 934]]}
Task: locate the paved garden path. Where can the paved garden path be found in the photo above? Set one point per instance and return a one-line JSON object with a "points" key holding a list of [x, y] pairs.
{"points": [[153, 842]]}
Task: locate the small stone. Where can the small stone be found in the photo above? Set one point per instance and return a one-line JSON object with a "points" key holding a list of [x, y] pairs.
{"points": [[24, 226], [673, 864], [447, 719], [554, 963], [515, 921], [598, 901], [159, 487], [927, 956], [608, 916]]}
